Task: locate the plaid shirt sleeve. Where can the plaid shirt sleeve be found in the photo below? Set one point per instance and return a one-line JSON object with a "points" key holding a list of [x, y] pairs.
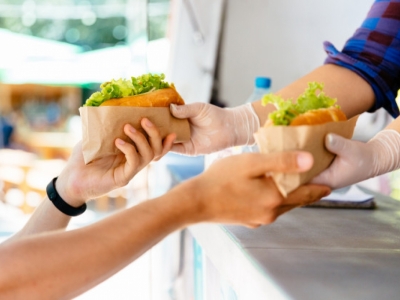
{"points": [[373, 52]]}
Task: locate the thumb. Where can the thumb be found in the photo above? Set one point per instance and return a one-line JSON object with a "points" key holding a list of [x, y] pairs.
{"points": [[186, 111], [337, 144], [287, 162]]}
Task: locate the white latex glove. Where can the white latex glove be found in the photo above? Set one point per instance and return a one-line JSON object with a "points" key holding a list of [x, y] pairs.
{"points": [[214, 128], [357, 161]]}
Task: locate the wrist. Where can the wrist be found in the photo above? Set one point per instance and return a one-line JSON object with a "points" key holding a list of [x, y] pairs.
{"points": [[188, 202], [68, 192], [385, 154], [60, 203], [245, 124]]}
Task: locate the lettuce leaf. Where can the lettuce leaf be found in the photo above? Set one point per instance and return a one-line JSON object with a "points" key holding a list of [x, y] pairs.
{"points": [[286, 110], [127, 87]]}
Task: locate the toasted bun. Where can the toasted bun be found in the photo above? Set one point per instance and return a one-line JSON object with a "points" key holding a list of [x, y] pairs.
{"points": [[158, 98], [319, 116]]}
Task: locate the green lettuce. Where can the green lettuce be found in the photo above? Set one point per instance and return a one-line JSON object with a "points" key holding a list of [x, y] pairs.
{"points": [[286, 110], [127, 87]]}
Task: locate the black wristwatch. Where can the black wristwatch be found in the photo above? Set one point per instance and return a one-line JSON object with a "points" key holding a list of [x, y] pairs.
{"points": [[59, 202]]}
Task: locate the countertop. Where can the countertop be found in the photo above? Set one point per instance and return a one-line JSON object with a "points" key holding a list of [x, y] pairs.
{"points": [[311, 253]]}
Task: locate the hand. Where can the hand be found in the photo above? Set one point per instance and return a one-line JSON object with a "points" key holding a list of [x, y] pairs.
{"points": [[78, 182], [357, 161], [214, 128], [236, 189]]}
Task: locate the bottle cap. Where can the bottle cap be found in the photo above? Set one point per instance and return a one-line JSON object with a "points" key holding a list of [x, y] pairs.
{"points": [[263, 82]]}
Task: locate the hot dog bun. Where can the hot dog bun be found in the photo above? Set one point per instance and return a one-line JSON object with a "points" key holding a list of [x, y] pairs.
{"points": [[315, 117], [319, 116], [159, 98]]}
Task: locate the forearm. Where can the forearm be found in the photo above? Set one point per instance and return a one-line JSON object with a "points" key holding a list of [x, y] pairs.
{"points": [[45, 218], [395, 125], [353, 94], [78, 260]]}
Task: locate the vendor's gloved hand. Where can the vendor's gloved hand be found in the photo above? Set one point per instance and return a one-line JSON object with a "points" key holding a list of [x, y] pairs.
{"points": [[214, 128], [357, 161]]}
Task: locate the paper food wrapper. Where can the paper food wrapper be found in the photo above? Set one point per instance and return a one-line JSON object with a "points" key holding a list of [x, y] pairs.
{"points": [[102, 125], [308, 138]]}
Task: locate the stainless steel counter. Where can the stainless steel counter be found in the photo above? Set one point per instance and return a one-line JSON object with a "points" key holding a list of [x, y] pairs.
{"points": [[311, 253]]}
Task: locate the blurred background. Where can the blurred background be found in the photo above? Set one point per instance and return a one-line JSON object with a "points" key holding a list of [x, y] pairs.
{"points": [[55, 54]]}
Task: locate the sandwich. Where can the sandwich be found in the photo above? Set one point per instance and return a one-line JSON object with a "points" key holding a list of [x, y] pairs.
{"points": [[125, 101], [149, 90], [313, 107], [302, 125]]}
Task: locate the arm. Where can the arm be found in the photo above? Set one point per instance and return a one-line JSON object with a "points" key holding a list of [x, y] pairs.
{"points": [[79, 183], [353, 93], [215, 128], [363, 77], [233, 190]]}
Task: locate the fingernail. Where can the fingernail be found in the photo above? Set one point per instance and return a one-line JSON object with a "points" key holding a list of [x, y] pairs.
{"points": [[174, 107], [131, 129], [120, 142], [304, 161], [148, 123], [330, 139]]}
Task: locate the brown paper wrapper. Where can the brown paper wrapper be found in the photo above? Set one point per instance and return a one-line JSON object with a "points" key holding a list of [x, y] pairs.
{"points": [[102, 125], [308, 138]]}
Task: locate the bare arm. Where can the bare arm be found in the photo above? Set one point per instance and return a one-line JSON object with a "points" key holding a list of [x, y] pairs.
{"points": [[353, 93], [395, 125], [61, 265]]}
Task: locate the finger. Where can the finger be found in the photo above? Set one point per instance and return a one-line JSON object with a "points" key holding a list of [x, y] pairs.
{"points": [[284, 209], [307, 194], [337, 144], [141, 143], [167, 145], [324, 177], [131, 156], [155, 139], [181, 149], [258, 164], [186, 111]]}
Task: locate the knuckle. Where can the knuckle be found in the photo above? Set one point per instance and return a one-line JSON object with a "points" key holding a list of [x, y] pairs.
{"points": [[308, 194], [124, 182], [254, 226], [269, 218], [130, 149], [149, 155], [274, 202], [284, 161]]}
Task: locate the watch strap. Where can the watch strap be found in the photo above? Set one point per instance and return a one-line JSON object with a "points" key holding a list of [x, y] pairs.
{"points": [[59, 202]]}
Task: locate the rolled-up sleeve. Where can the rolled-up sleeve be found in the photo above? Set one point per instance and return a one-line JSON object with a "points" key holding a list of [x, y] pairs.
{"points": [[373, 52]]}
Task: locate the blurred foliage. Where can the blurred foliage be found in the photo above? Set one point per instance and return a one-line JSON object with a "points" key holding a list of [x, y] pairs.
{"points": [[100, 33], [157, 25], [97, 36], [65, 2]]}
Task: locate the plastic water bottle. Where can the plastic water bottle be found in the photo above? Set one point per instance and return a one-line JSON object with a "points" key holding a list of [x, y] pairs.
{"points": [[262, 86]]}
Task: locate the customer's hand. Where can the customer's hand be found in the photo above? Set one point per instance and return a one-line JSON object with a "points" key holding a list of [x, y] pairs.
{"points": [[79, 183], [214, 128], [236, 189], [357, 161]]}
